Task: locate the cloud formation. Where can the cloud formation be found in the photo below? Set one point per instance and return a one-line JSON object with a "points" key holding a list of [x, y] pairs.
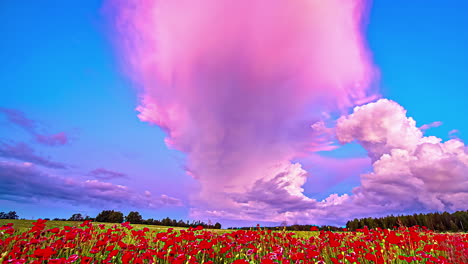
{"points": [[24, 182], [409, 170], [329, 172], [107, 174], [410, 173], [52, 140], [20, 119], [431, 125], [453, 133], [237, 84], [23, 152], [243, 87]]}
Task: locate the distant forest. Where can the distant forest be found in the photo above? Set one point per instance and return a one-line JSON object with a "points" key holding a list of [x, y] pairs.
{"points": [[441, 222], [111, 216]]}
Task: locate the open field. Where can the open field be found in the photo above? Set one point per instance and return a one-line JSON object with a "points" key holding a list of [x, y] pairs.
{"points": [[73, 242], [23, 225]]}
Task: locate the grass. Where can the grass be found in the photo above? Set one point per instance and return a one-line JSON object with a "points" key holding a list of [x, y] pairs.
{"points": [[23, 225]]}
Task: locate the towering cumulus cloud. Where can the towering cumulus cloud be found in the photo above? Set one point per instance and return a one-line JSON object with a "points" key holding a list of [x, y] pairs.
{"points": [[410, 171], [237, 84]]}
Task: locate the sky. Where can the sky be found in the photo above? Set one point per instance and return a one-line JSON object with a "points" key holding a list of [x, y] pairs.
{"points": [[161, 109]]}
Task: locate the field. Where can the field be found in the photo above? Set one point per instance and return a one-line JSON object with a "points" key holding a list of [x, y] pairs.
{"points": [[24, 225], [23, 241]]}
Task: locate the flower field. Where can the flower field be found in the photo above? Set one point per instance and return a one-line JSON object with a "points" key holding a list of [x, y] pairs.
{"points": [[98, 243]]}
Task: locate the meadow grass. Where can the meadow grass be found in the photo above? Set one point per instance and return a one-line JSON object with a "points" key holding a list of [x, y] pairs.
{"points": [[23, 225]]}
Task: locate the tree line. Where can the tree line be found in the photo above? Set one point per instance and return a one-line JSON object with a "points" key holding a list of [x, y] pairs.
{"points": [[441, 222], [111, 216], [9, 215]]}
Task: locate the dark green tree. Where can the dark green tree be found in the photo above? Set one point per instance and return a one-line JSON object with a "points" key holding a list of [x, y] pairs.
{"points": [[110, 216], [76, 217], [134, 218], [166, 221], [442, 222], [9, 215]]}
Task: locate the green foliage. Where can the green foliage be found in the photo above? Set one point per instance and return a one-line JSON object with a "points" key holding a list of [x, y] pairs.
{"points": [[173, 222], [9, 215], [442, 222], [110, 216], [134, 218], [76, 217]]}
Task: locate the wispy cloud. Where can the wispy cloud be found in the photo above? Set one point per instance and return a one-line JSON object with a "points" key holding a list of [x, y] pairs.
{"points": [[453, 133], [25, 182], [52, 140], [431, 125], [107, 174], [20, 119], [23, 152]]}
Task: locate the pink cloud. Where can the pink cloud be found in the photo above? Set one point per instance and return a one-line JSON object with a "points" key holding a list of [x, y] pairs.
{"points": [[328, 172], [18, 118], [453, 133], [53, 140], [409, 170], [237, 84], [431, 125], [243, 87], [107, 174], [379, 127]]}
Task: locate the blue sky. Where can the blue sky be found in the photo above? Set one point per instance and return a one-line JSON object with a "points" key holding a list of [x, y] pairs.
{"points": [[59, 69], [420, 48]]}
